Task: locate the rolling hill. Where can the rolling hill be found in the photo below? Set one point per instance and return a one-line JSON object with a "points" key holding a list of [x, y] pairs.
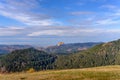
{"points": [[22, 60], [99, 55]]}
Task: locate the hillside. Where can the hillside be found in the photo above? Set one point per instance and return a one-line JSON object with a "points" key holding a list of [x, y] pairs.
{"points": [[100, 55], [96, 73], [22, 60]]}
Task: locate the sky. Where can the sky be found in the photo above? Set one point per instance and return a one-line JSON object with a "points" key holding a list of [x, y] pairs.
{"points": [[47, 22]]}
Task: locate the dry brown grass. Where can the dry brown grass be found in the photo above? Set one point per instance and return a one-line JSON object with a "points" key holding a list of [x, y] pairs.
{"points": [[98, 73]]}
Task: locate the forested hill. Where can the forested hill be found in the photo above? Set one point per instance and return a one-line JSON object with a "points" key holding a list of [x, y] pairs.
{"points": [[22, 60], [100, 55]]}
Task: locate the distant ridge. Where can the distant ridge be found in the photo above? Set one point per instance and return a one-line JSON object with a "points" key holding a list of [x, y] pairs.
{"points": [[70, 48], [61, 49], [10, 48]]}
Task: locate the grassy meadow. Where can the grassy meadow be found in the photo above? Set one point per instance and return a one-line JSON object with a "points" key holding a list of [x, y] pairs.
{"points": [[96, 73]]}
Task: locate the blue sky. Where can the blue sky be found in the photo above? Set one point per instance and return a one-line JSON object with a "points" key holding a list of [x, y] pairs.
{"points": [[46, 22]]}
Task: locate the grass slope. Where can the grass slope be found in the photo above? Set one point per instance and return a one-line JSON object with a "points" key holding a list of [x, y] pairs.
{"points": [[97, 73]]}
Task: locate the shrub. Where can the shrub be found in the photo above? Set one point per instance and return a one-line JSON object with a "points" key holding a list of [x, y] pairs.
{"points": [[31, 70]]}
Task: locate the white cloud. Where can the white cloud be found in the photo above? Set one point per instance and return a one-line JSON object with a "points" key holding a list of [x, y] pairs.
{"points": [[10, 31], [98, 0], [107, 22], [42, 24], [81, 13], [22, 11], [113, 31], [47, 32], [74, 32], [109, 6]]}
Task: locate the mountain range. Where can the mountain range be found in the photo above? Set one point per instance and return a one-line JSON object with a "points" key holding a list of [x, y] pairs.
{"points": [[9, 48], [98, 55], [63, 49]]}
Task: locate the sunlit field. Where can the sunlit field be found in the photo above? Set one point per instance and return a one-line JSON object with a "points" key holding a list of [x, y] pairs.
{"points": [[97, 73]]}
